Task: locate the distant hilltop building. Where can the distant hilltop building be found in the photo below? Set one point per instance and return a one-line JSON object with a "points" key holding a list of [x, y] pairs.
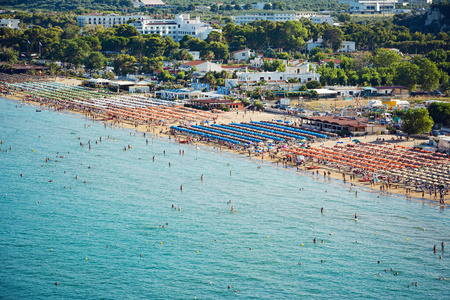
{"points": [[10, 23], [282, 17], [369, 6]]}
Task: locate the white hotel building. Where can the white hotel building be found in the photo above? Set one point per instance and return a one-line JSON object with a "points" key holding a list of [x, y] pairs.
{"points": [[176, 28], [272, 16], [105, 21], [369, 5]]}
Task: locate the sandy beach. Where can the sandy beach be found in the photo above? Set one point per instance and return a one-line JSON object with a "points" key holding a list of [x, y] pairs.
{"points": [[163, 131]]}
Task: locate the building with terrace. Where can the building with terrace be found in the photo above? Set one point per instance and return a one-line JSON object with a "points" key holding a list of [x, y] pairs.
{"points": [[355, 126]]}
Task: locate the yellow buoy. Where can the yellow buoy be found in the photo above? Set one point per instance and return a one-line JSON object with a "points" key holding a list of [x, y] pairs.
{"points": [[267, 236], [161, 243], [32, 149], [377, 231], [197, 251], [407, 239], [303, 245], [86, 258], [51, 249]]}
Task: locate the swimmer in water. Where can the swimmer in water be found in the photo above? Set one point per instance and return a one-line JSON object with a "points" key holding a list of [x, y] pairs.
{"points": [[315, 240], [232, 208], [321, 210], [356, 216]]}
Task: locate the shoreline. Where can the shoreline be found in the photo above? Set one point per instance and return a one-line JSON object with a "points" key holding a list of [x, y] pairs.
{"points": [[165, 135]]}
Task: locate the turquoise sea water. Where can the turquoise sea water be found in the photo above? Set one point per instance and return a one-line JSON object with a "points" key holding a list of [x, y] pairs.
{"points": [[127, 197]]}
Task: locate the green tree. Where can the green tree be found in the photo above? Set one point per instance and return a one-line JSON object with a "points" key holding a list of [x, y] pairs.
{"points": [[209, 55], [75, 51], [279, 66], [313, 84], [9, 55], [386, 58], [270, 53], [440, 112], [407, 74], [315, 51], [437, 56], [95, 61], [344, 18], [71, 31], [220, 50], [182, 55], [181, 75], [154, 46], [125, 64], [258, 105], [332, 38], [429, 74], [126, 31], [416, 121], [149, 65]]}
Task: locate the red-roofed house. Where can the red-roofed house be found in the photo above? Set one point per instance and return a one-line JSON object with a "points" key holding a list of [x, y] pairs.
{"points": [[243, 54], [336, 61], [201, 66]]}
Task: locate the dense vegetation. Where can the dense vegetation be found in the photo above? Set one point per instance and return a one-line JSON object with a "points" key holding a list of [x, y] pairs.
{"points": [[58, 37], [117, 5], [419, 22], [67, 5], [387, 67]]}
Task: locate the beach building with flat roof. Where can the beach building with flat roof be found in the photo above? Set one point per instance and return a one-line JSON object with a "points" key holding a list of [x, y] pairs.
{"points": [[152, 3], [398, 91], [173, 94], [355, 126]]}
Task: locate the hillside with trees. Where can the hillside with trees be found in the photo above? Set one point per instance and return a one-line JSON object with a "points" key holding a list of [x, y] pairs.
{"points": [[67, 5]]}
